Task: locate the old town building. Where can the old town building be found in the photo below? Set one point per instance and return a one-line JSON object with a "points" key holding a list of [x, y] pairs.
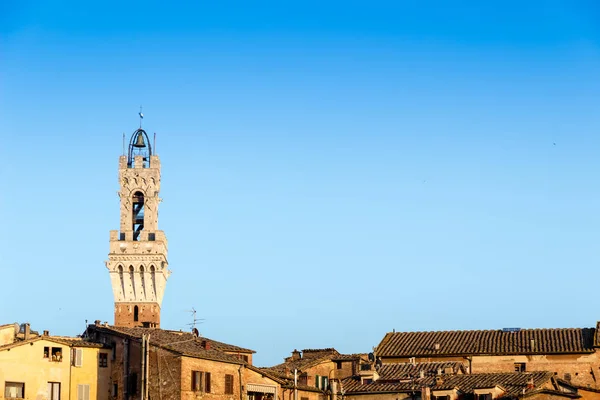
{"points": [[570, 354], [448, 381], [34, 366], [152, 363], [315, 372]]}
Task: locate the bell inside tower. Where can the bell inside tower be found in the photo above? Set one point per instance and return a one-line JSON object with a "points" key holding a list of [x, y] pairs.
{"points": [[137, 214], [139, 145]]}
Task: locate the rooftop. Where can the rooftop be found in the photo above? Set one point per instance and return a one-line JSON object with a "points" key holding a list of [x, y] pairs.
{"points": [[489, 342]]}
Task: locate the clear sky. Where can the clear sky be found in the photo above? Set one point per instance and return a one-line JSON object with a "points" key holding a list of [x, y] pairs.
{"points": [[332, 170]]}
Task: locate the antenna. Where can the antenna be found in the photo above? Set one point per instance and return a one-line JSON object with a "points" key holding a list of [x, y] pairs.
{"points": [[123, 143], [154, 144], [194, 321]]}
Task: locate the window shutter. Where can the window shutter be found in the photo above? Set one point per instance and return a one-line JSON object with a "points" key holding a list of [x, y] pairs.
{"points": [[207, 384], [83, 392], [78, 357], [228, 384], [317, 380]]}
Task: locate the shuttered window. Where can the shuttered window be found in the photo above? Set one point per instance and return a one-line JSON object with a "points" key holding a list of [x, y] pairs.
{"points": [[77, 357], [207, 382], [228, 384], [197, 381], [83, 392]]}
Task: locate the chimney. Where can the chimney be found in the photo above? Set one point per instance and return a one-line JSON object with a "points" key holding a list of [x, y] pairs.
{"points": [[436, 346], [205, 345], [532, 344], [27, 331], [296, 355], [422, 374], [46, 333], [97, 322], [439, 380]]}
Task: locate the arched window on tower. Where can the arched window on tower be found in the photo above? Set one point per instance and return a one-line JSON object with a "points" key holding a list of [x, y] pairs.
{"points": [[136, 312], [137, 214]]}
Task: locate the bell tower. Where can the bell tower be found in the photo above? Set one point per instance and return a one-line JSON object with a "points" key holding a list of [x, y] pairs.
{"points": [[137, 261]]}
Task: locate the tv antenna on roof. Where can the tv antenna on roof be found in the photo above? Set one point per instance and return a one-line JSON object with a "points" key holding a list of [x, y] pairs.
{"points": [[194, 321]]}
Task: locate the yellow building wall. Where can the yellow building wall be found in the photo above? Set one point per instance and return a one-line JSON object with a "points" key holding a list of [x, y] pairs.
{"points": [[26, 363], [90, 373]]}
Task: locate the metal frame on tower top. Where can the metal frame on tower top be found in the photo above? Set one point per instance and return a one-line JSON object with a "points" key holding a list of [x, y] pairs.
{"points": [[139, 145]]}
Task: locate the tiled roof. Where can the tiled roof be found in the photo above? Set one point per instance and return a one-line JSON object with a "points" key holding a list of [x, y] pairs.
{"points": [[286, 380], [310, 357], [72, 341], [67, 341], [525, 341], [513, 383], [180, 342], [402, 371], [347, 357]]}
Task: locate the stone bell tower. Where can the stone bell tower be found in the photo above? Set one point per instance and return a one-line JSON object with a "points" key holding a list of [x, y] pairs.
{"points": [[137, 261]]}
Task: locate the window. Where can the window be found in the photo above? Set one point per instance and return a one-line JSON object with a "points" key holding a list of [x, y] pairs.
{"points": [[53, 390], [228, 384], [114, 351], [83, 392], [53, 353], [14, 390], [132, 384], [365, 367], [136, 312], [567, 377], [103, 360], [77, 357], [207, 382], [152, 237], [486, 396], [338, 364], [197, 381], [201, 381], [303, 379], [519, 367], [115, 389]]}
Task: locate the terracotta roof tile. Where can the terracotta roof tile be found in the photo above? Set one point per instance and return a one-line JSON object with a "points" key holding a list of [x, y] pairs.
{"points": [[525, 341], [513, 383], [180, 342], [310, 357], [402, 371]]}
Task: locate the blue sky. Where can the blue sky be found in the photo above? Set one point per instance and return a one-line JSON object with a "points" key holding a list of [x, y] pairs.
{"points": [[331, 170]]}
